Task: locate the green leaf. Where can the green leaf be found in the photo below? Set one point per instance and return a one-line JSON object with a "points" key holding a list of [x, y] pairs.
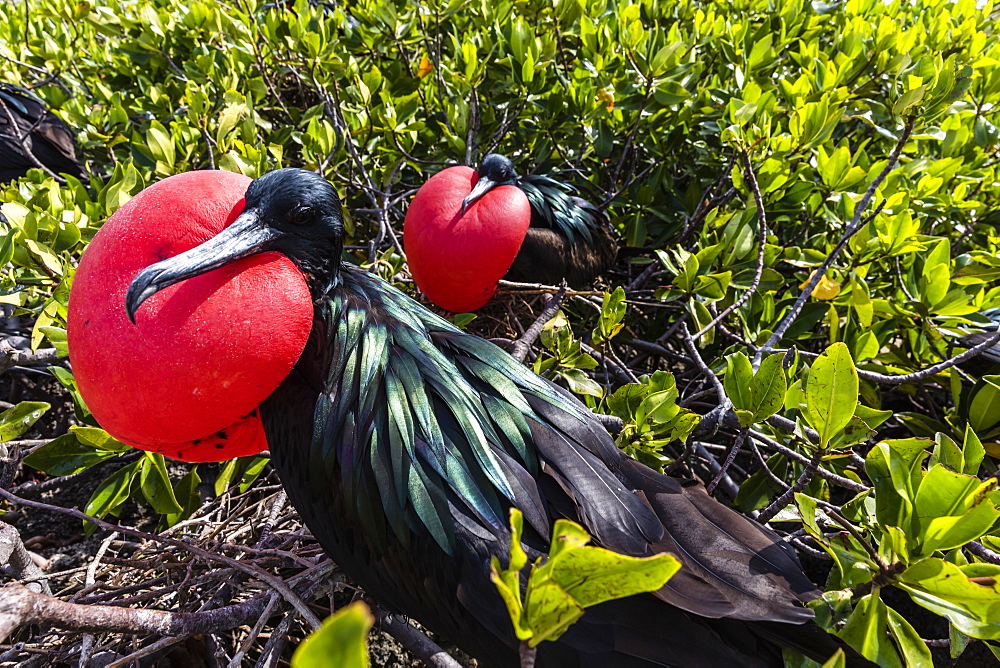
{"points": [[341, 641], [66, 455], [953, 509], [908, 99], [462, 320], [186, 493], [984, 409], [19, 419], [972, 452], [894, 468], [737, 381], [612, 313], [914, 650], [549, 611], [593, 575], [838, 660], [155, 484], [866, 630], [831, 392], [943, 588], [767, 389], [99, 439], [112, 492]]}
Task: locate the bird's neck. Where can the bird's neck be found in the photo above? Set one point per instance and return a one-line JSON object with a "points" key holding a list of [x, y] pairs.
{"points": [[322, 270]]}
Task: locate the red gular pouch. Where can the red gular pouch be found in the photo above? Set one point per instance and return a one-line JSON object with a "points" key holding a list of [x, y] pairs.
{"points": [[186, 379], [457, 259]]}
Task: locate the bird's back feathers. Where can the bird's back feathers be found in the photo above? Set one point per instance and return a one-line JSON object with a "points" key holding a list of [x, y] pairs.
{"points": [[422, 438]]}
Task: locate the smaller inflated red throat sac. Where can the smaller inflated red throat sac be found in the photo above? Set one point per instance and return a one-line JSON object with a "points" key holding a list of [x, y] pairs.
{"points": [[186, 379], [457, 259]]}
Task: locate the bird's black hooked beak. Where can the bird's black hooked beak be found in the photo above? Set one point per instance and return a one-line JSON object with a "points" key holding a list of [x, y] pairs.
{"points": [[483, 186], [246, 236]]}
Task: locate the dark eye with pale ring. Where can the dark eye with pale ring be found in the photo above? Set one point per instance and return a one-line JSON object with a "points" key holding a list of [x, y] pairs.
{"points": [[300, 214]]}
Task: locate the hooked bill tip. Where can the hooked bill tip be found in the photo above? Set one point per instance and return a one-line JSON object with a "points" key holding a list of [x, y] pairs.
{"points": [[142, 287]]}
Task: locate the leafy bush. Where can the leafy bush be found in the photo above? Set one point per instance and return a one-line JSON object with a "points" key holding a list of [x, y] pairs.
{"points": [[810, 192]]}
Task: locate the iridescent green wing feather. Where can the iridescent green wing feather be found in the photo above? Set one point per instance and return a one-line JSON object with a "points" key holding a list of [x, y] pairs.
{"points": [[555, 205], [418, 416]]}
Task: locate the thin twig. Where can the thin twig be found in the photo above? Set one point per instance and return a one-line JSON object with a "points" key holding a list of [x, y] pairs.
{"points": [[522, 346], [730, 457], [838, 480], [248, 568], [751, 179], [768, 513], [853, 227]]}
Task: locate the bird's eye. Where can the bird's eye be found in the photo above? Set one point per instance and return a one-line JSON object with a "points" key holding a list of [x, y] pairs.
{"points": [[300, 214]]}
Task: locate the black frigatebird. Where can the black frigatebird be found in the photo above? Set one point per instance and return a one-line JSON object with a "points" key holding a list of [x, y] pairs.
{"points": [[402, 440], [465, 230], [31, 136]]}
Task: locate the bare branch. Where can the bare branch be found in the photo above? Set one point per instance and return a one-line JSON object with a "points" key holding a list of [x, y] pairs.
{"points": [[852, 228], [761, 245], [413, 640], [807, 475], [11, 356], [19, 606], [520, 348]]}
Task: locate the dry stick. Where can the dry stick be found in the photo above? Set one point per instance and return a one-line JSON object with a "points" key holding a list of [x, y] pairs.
{"points": [[785, 424], [520, 348], [20, 606], [14, 554], [840, 481], [11, 356], [237, 659], [936, 368], [709, 201], [852, 229], [641, 279], [807, 475], [142, 652], [255, 571], [413, 640], [711, 421], [983, 552], [87, 645], [541, 288], [727, 483], [751, 179]]}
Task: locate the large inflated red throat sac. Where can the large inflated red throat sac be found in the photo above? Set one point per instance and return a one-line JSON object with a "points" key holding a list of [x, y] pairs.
{"points": [[457, 260], [187, 378]]}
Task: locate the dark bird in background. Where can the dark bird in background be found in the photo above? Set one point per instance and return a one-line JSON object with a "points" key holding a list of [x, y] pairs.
{"points": [[467, 229], [403, 442], [32, 137], [569, 238]]}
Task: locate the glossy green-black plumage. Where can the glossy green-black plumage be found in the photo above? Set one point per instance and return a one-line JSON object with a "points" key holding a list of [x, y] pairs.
{"points": [[569, 238], [31, 137], [404, 441], [417, 439]]}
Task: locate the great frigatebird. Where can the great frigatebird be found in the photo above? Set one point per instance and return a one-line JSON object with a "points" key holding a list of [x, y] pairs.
{"points": [[32, 137], [403, 441], [466, 229]]}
